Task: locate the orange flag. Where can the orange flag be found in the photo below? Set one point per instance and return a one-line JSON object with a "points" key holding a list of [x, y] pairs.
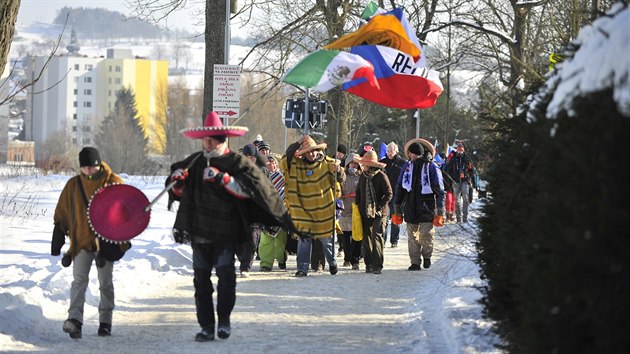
{"points": [[385, 30]]}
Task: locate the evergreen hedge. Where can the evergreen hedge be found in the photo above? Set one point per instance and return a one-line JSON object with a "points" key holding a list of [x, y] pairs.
{"points": [[554, 241]]}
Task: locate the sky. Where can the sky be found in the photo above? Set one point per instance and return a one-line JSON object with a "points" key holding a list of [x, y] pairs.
{"points": [[429, 311], [46, 10]]}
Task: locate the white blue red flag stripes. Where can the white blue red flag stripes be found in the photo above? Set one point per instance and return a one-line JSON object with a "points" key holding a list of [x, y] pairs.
{"points": [[403, 83]]}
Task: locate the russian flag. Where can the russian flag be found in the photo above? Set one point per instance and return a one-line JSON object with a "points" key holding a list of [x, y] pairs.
{"points": [[403, 84]]}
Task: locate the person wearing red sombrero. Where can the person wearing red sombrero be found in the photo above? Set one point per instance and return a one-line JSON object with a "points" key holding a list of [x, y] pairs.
{"points": [[310, 195], [71, 219], [373, 194], [221, 193], [420, 192]]}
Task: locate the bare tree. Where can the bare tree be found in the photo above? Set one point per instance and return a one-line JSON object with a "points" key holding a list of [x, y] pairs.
{"points": [[8, 14], [184, 106]]}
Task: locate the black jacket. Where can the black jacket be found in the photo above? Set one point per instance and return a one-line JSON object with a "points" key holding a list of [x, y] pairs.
{"points": [[207, 211]]}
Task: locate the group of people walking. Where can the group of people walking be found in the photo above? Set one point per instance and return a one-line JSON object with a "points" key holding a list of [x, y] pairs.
{"points": [[232, 205]]}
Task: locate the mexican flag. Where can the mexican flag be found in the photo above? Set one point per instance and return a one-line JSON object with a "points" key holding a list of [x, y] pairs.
{"points": [[324, 69]]}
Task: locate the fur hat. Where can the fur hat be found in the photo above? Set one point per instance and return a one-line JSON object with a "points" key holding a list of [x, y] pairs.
{"points": [[213, 127], [342, 149], [89, 156], [308, 144], [370, 159]]}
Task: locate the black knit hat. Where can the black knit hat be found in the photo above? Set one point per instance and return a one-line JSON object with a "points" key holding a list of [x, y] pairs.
{"points": [[342, 149], [250, 150], [89, 156], [416, 148]]}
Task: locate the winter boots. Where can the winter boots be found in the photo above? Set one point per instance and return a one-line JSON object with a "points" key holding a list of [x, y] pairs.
{"points": [[206, 334], [224, 329], [73, 328], [105, 329]]}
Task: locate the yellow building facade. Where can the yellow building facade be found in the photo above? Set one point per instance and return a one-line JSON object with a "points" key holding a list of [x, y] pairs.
{"points": [[148, 80]]}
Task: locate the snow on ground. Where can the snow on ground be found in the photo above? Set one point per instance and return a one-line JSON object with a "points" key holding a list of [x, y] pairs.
{"points": [[430, 311]]}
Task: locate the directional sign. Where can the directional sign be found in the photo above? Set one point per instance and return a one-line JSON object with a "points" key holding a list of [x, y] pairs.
{"points": [[226, 90]]}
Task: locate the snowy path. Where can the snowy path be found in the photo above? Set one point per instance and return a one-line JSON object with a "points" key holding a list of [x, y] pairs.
{"points": [[429, 311]]}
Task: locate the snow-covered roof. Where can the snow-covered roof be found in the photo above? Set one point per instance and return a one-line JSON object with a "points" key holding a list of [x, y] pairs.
{"points": [[601, 62]]}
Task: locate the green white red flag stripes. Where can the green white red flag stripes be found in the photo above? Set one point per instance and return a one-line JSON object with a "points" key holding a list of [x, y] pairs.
{"points": [[325, 69]]}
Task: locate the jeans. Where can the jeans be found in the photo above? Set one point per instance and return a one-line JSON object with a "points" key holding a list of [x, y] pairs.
{"points": [[82, 263], [205, 257], [304, 252], [461, 209]]}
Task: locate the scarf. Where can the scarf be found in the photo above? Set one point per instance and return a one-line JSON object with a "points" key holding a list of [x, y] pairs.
{"points": [[425, 179], [407, 178], [370, 194]]}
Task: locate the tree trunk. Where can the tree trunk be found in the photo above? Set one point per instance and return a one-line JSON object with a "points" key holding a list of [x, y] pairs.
{"points": [[215, 48], [8, 14]]}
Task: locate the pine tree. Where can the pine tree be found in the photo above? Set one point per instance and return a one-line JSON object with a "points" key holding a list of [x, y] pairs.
{"points": [[120, 139]]}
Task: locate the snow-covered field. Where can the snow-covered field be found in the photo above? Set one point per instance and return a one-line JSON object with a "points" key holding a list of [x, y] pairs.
{"points": [[430, 311]]}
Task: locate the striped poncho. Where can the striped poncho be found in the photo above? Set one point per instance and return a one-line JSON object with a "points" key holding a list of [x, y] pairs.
{"points": [[309, 194]]}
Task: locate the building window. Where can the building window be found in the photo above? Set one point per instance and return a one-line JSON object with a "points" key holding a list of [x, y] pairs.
{"points": [[87, 104], [74, 116], [88, 67], [109, 81], [75, 92], [117, 68], [74, 129], [74, 104], [86, 128], [117, 81], [87, 79], [87, 92], [74, 140], [109, 93], [86, 141], [76, 66], [110, 68]]}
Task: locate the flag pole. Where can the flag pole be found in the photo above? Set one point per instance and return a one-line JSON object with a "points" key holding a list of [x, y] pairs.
{"points": [[306, 110]]}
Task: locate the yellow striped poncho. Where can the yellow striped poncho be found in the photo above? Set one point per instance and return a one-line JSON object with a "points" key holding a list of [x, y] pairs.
{"points": [[309, 195]]}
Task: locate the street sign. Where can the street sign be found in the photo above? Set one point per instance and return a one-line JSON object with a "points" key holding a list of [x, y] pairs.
{"points": [[226, 90]]}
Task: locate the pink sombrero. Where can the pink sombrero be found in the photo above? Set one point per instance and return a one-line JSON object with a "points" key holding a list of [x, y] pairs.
{"points": [[116, 213], [213, 127]]}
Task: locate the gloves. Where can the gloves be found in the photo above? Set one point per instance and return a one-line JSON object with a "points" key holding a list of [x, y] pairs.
{"points": [[66, 260], [58, 240], [396, 215], [181, 236], [179, 175], [213, 175], [231, 185], [438, 220]]}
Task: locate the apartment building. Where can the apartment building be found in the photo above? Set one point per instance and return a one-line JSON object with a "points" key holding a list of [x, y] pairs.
{"points": [[73, 94]]}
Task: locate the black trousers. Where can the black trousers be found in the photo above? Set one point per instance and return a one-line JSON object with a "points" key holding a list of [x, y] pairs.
{"points": [[219, 256]]}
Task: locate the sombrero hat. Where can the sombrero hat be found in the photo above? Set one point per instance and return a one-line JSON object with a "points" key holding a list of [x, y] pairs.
{"points": [[116, 213], [425, 144], [213, 127], [308, 144], [370, 158]]}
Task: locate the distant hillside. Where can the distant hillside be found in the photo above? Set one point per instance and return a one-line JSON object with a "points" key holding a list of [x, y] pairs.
{"points": [[98, 23]]}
